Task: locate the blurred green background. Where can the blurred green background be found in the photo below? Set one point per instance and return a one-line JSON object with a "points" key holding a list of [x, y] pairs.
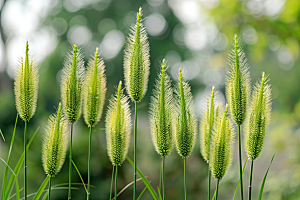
{"points": [[194, 35]]}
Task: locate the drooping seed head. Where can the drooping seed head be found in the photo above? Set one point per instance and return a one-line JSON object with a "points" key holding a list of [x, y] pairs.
{"points": [[221, 149], [237, 82], [118, 127], [55, 143], [160, 114], [94, 91], [26, 87], [185, 119], [206, 126], [136, 61], [71, 85], [258, 118]]}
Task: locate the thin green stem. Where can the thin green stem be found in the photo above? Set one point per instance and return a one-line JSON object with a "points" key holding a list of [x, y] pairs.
{"points": [[217, 189], [240, 161], [89, 164], [250, 182], [25, 161], [209, 180], [163, 176], [160, 168], [49, 189], [184, 164], [135, 138], [111, 182], [70, 163], [116, 182]]}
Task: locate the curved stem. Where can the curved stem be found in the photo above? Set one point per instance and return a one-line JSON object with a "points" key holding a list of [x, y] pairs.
{"points": [[89, 164], [184, 164], [70, 163], [250, 182], [135, 138], [217, 189], [209, 180], [49, 188], [25, 161], [111, 182], [116, 181], [163, 176], [240, 161]]}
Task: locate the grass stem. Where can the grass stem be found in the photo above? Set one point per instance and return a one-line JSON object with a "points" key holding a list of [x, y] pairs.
{"points": [[116, 182], [250, 182], [217, 189], [111, 182], [89, 163], [49, 188], [184, 164], [209, 180], [70, 163], [240, 161], [163, 176], [25, 161], [135, 138], [160, 176]]}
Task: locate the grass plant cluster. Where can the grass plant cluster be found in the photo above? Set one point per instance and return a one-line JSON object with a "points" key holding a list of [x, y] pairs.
{"points": [[173, 122]]}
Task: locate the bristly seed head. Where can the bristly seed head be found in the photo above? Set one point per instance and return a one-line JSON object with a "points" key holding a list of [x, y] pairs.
{"points": [[221, 149], [55, 143], [160, 114], [26, 87], [185, 119], [71, 85], [94, 91], [118, 127], [258, 118], [237, 82], [136, 61]]}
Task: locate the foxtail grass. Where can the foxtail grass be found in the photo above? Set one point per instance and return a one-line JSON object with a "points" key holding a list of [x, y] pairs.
{"points": [[221, 149], [71, 94], [185, 122], [161, 118], [237, 91], [26, 91], [55, 144], [136, 72], [94, 91], [118, 128], [257, 122]]}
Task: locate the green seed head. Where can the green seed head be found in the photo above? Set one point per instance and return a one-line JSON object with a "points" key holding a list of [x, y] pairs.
{"points": [[94, 91], [206, 126], [136, 61], [185, 119], [71, 85], [26, 87], [237, 82], [55, 143], [258, 118], [160, 115], [221, 146], [118, 127]]}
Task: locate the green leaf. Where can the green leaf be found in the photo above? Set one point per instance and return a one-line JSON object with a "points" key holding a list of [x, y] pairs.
{"points": [[2, 135], [17, 170], [149, 187], [8, 160], [264, 180], [142, 193], [159, 193], [238, 185], [41, 189], [80, 177], [214, 195]]}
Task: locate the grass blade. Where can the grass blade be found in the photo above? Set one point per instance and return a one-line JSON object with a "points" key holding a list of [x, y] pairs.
{"points": [[264, 181], [80, 177], [214, 195], [146, 182], [17, 169], [41, 189], [8, 166], [159, 193], [2, 135], [238, 185], [8, 159], [142, 193]]}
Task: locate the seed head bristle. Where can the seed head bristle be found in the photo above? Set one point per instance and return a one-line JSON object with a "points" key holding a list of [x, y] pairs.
{"points": [[94, 91], [26, 87], [237, 82], [118, 127], [71, 85], [185, 119], [136, 61], [55, 143], [160, 114], [258, 118], [221, 149]]}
